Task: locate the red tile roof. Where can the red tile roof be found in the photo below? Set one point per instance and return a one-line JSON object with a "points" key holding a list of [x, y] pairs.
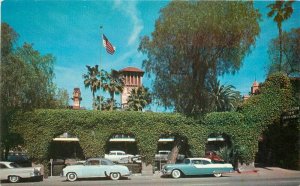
{"points": [[131, 69]]}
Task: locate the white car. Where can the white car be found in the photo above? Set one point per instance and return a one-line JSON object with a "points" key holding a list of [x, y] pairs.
{"points": [[119, 156], [13, 172], [96, 167]]}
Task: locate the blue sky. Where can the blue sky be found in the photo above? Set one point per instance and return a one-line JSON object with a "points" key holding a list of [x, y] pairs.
{"points": [[70, 31]]}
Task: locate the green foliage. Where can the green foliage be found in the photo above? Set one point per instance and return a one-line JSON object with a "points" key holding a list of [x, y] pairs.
{"points": [[92, 80], [281, 11], [138, 99], [26, 80], [223, 97], [114, 84], [290, 53], [193, 42], [38, 127], [94, 128]]}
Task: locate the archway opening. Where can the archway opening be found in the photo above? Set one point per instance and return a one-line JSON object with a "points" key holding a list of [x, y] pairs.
{"points": [[64, 150], [171, 147], [219, 148]]}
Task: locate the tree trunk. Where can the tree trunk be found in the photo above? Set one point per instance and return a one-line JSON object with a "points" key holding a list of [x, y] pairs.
{"points": [[94, 102], [175, 150], [112, 101], [280, 46]]}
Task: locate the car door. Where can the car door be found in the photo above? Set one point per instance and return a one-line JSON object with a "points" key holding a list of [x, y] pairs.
{"points": [[92, 169], [202, 167], [3, 171]]}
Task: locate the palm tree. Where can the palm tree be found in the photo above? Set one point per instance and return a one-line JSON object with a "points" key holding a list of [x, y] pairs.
{"points": [[283, 10], [223, 97], [113, 84], [138, 99], [92, 80]]}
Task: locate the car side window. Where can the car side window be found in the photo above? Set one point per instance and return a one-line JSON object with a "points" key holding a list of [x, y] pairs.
{"points": [[112, 153], [93, 162], [186, 161], [2, 166], [204, 162], [196, 162], [104, 162], [119, 153]]}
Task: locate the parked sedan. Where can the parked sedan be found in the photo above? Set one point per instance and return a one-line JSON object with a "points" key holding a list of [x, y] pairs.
{"points": [[96, 167], [196, 166], [13, 172]]}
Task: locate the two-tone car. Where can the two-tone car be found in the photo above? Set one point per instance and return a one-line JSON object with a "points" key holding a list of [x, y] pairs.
{"points": [[96, 167], [196, 166], [14, 173]]}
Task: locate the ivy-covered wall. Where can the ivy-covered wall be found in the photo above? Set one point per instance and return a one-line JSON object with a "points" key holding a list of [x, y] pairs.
{"points": [[94, 128]]}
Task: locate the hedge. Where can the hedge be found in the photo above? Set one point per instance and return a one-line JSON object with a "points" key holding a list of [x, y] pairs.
{"points": [[94, 128]]}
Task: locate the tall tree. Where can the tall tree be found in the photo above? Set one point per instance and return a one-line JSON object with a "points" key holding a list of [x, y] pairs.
{"points": [[62, 98], [281, 11], [290, 53], [113, 84], [26, 80], [92, 80], [194, 41], [138, 99]]}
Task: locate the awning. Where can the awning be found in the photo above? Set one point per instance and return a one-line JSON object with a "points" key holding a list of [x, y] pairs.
{"points": [[65, 139], [216, 139], [122, 140], [166, 140]]}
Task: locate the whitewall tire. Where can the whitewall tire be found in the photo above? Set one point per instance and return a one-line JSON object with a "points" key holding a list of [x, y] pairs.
{"points": [[14, 179], [176, 174], [218, 175], [115, 176], [71, 176]]}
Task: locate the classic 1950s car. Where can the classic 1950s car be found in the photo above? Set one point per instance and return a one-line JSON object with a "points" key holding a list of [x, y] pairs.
{"points": [[96, 167], [119, 156], [13, 172], [196, 166]]}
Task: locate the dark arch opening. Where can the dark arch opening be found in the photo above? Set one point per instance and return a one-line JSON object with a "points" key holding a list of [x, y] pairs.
{"points": [[64, 150], [220, 148]]}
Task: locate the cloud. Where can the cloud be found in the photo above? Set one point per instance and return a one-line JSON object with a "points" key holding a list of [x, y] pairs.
{"points": [[130, 9]]}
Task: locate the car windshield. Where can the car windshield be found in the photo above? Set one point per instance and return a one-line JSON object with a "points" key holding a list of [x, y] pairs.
{"points": [[14, 165]]}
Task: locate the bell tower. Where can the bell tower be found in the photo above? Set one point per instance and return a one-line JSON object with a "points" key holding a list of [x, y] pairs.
{"points": [[255, 88], [132, 79], [76, 98]]}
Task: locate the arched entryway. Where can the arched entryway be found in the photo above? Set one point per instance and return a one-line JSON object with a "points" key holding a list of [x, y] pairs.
{"points": [[64, 150], [167, 146], [219, 147], [122, 149]]}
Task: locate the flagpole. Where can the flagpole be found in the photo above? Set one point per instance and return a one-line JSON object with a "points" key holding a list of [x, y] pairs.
{"points": [[101, 43]]}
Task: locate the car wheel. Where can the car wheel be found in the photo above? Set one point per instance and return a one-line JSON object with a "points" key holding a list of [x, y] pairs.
{"points": [[71, 176], [217, 175], [13, 179], [115, 176], [176, 173]]}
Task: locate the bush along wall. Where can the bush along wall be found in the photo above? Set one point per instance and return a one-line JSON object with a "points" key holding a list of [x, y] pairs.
{"points": [[94, 128]]}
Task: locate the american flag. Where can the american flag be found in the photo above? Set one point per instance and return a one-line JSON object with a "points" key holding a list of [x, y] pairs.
{"points": [[109, 47]]}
